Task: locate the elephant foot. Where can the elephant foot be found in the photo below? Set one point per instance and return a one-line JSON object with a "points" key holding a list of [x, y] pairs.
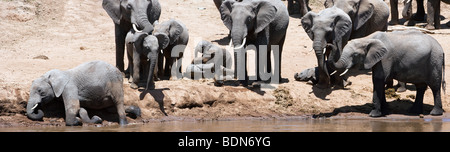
{"points": [[448, 24], [134, 86], [437, 111], [96, 120], [75, 122], [418, 17], [393, 22], [430, 27], [133, 111], [410, 23], [218, 83], [376, 113]]}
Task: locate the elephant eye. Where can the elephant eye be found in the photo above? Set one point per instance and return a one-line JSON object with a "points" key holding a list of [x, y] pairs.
{"points": [[129, 7]]}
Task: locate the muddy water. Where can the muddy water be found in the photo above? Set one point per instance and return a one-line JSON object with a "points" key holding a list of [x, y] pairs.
{"points": [[298, 125]]}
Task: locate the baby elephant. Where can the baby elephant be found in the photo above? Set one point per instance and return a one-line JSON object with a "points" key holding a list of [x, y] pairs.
{"points": [[311, 74], [407, 56], [214, 60], [93, 85]]}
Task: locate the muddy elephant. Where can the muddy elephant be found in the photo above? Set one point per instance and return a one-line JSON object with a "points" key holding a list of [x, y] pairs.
{"points": [[259, 23], [300, 5], [215, 62], [407, 56], [333, 27], [93, 85], [128, 14]]}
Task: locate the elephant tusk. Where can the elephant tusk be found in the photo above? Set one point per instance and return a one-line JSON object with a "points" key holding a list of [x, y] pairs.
{"points": [[34, 107], [242, 45], [346, 70], [311, 49], [230, 44], [334, 72], [324, 50], [135, 29]]}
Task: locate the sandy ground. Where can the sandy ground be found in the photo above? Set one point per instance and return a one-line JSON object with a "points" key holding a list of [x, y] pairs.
{"points": [[40, 35]]}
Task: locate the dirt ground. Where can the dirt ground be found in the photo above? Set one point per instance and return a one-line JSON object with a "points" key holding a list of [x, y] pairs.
{"points": [[40, 35]]}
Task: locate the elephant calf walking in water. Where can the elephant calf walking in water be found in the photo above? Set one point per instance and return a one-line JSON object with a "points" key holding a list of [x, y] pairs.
{"points": [[93, 85], [407, 56]]}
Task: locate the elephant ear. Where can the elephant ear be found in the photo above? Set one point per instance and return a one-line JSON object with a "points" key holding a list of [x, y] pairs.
{"points": [[175, 31], [363, 14], [138, 39], [342, 25], [307, 23], [58, 80], [328, 3], [266, 13], [112, 8], [163, 40], [375, 51], [225, 13]]}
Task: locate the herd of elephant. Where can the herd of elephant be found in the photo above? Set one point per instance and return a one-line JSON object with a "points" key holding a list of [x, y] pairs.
{"points": [[347, 35]]}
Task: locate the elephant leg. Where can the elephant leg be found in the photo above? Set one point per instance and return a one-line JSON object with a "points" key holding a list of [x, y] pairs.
{"points": [[130, 48], [290, 7], [136, 69], [394, 12], [417, 107], [120, 47], [407, 9], [72, 106], [436, 89], [118, 100], [160, 65], [379, 98], [433, 11], [303, 7], [169, 62], [85, 117], [420, 12]]}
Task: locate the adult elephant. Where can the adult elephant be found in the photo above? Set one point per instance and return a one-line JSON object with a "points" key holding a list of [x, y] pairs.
{"points": [[128, 14], [359, 18], [257, 22], [408, 56]]}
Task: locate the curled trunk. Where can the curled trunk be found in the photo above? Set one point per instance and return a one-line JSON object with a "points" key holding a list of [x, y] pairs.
{"points": [[31, 109]]}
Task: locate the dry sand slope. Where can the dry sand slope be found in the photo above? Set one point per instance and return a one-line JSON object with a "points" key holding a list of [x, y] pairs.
{"points": [[40, 35]]}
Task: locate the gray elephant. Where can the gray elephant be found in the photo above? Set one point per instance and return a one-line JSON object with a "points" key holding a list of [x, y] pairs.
{"points": [[93, 85], [173, 37], [407, 56], [126, 14], [170, 38], [300, 6], [255, 22], [213, 60], [140, 47], [311, 74], [333, 27]]}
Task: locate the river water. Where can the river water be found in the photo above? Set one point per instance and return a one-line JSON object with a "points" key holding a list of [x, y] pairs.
{"points": [[294, 125]]}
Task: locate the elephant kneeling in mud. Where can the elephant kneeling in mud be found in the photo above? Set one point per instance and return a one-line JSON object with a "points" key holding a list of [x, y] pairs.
{"points": [[93, 85], [214, 60], [407, 56]]}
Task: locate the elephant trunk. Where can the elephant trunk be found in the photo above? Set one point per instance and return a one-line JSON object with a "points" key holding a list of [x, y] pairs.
{"points": [[33, 103], [320, 48], [144, 23], [153, 56]]}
